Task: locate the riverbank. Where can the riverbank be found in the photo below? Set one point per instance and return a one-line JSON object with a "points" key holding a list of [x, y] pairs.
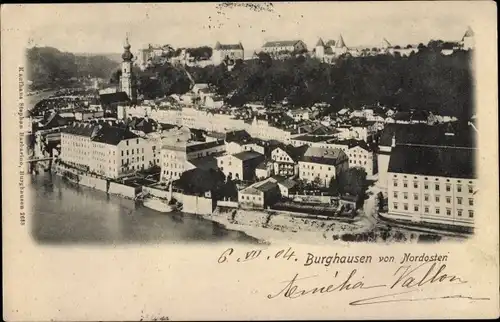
{"points": [[282, 227]]}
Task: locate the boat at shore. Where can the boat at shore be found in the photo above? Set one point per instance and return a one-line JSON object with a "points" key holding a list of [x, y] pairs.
{"points": [[158, 204]]}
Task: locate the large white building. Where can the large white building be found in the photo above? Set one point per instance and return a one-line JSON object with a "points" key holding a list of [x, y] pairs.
{"points": [[240, 166], [177, 154], [106, 150], [321, 165], [220, 52], [430, 184], [275, 47]]}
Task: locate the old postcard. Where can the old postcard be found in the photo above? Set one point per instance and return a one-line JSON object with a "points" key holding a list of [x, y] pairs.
{"points": [[239, 160]]}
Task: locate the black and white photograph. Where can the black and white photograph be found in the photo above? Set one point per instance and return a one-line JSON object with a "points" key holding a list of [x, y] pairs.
{"points": [[250, 161], [223, 129]]}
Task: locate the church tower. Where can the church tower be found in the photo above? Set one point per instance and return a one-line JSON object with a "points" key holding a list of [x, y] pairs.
{"points": [[126, 81]]}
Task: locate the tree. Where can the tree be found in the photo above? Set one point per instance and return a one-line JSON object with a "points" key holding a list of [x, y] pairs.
{"points": [[317, 182], [435, 45], [381, 201], [333, 187], [352, 181]]}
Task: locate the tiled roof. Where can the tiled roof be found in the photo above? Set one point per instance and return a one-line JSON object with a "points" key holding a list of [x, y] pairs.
{"points": [[353, 143], [287, 183], [203, 146], [423, 134], [80, 129], [322, 160], [266, 186], [247, 155], [325, 156], [239, 136], [113, 135], [219, 46], [281, 43], [110, 98], [433, 161]]}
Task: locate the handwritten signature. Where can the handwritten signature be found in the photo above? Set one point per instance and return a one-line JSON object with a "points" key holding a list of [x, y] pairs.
{"points": [[407, 279]]}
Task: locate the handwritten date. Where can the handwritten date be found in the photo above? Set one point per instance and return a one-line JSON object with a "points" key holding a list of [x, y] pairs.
{"points": [[286, 254]]}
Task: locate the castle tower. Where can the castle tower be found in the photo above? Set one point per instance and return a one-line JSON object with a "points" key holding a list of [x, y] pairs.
{"points": [[320, 49], [468, 39], [126, 81]]}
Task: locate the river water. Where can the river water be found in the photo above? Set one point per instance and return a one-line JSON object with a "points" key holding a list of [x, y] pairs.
{"points": [[64, 213]]}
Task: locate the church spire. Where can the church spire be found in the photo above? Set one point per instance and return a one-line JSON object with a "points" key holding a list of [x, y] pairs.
{"points": [[126, 45], [127, 55]]}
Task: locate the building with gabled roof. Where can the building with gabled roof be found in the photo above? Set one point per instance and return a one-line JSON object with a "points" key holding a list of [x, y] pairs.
{"points": [[321, 165], [240, 166], [259, 195], [274, 47], [232, 52], [286, 159], [104, 149]]}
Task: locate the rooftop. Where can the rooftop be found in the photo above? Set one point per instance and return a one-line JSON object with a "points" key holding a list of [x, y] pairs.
{"points": [[433, 161], [247, 155], [110, 98], [113, 135], [423, 134], [281, 43]]}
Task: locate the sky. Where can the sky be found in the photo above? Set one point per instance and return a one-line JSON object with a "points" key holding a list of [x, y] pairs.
{"points": [[101, 28]]}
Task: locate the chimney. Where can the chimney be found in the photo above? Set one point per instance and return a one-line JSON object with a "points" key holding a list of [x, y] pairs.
{"points": [[393, 144]]}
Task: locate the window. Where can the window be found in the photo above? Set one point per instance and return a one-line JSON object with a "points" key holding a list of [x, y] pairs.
{"points": [[405, 184], [471, 213], [437, 198], [459, 200], [471, 202], [459, 212], [127, 150], [426, 197], [426, 186], [415, 184], [415, 208], [459, 188], [132, 151], [395, 194], [395, 183], [471, 189], [437, 187], [122, 152], [448, 211], [138, 150], [127, 143], [137, 141], [426, 209], [448, 187], [437, 211], [395, 205], [405, 206], [405, 195], [448, 199], [415, 196]]}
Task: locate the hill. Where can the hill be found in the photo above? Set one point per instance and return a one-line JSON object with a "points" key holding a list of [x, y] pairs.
{"points": [[48, 67]]}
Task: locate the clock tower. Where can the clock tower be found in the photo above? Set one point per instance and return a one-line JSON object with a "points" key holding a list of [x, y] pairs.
{"points": [[126, 80]]}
